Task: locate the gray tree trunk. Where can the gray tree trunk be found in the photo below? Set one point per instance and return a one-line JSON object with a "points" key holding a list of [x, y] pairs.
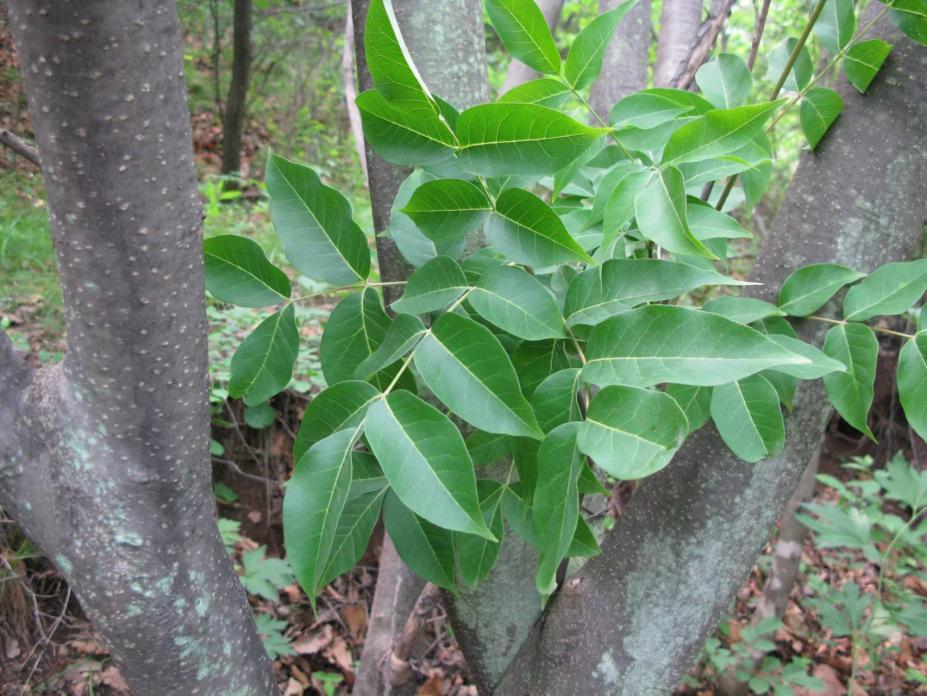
{"points": [[104, 458], [234, 120], [679, 24], [446, 42], [518, 73], [627, 58], [633, 619]]}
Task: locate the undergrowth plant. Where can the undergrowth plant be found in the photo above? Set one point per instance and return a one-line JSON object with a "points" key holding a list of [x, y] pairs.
{"points": [[546, 333]]}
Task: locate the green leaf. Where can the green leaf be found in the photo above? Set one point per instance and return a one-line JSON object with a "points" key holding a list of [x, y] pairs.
{"points": [[912, 382], [836, 24], [426, 548], [631, 432], [810, 287], [403, 137], [619, 206], [851, 392], [556, 502], [466, 367], [448, 209], [744, 310], [584, 62], [263, 364], [544, 91], [911, 17], [589, 483], [314, 222], [708, 223], [368, 476], [620, 284], [819, 366], [554, 400], [260, 416], [749, 418], [477, 555], [725, 81], [426, 462], [801, 72], [664, 343], [412, 242], [488, 448], [434, 286], [650, 108], [506, 139], [528, 231], [890, 289], [863, 62], [719, 132], [524, 33], [401, 336], [336, 408], [237, 271], [660, 210], [358, 518], [516, 302], [535, 361], [312, 505], [264, 576], [354, 330], [584, 542], [819, 109], [695, 402], [390, 64]]}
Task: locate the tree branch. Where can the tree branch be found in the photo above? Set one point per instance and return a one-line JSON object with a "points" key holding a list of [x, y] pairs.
{"points": [[707, 34], [633, 619], [19, 146]]}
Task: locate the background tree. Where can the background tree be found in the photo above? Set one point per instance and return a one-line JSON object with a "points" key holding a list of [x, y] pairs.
{"points": [[234, 120]]}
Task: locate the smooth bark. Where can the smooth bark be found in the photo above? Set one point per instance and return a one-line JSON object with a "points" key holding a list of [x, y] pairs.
{"points": [[627, 58], [104, 458], [679, 26], [234, 120], [633, 619], [518, 73]]}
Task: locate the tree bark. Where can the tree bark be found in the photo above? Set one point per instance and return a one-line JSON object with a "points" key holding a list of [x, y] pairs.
{"points": [[518, 73], [446, 42], [679, 25], [104, 458], [350, 91], [633, 619], [627, 58], [234, 121]]}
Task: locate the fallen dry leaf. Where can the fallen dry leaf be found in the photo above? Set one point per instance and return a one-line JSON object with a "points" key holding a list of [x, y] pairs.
{"points": [[339, 653], [355, 616], [314, 643]]}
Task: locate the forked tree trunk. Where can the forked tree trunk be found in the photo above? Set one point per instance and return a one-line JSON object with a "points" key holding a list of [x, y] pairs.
{"points": [[446, 43], [234, 120], [104, 458], [633, 620], [519, 73], [627, 58], [679, 25]]}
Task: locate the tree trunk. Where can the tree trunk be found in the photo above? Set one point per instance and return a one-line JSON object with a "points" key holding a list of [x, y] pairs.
{"points": [[238, 88], [446, 42], [679, 25], [518, 73], [104, 458], [627, 58], [633, 619]]}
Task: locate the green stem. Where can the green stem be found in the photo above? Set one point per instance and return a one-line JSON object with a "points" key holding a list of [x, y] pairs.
{"points": [[600, 120], [359, 286], [877, 329]]}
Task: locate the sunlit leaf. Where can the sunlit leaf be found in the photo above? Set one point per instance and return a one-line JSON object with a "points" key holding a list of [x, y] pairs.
{"points": [[263, 364], [851, 392], [516, 302], [819, 109], [237, 271], [524, 33], [749, 418]]}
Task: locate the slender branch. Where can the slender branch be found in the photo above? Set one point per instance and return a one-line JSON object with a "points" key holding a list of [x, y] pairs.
{"points": [[346, 288], [260, 479], [877, 329], [19, 146], [780, 83], [399, 670], [758, 34], [702, 47]]}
